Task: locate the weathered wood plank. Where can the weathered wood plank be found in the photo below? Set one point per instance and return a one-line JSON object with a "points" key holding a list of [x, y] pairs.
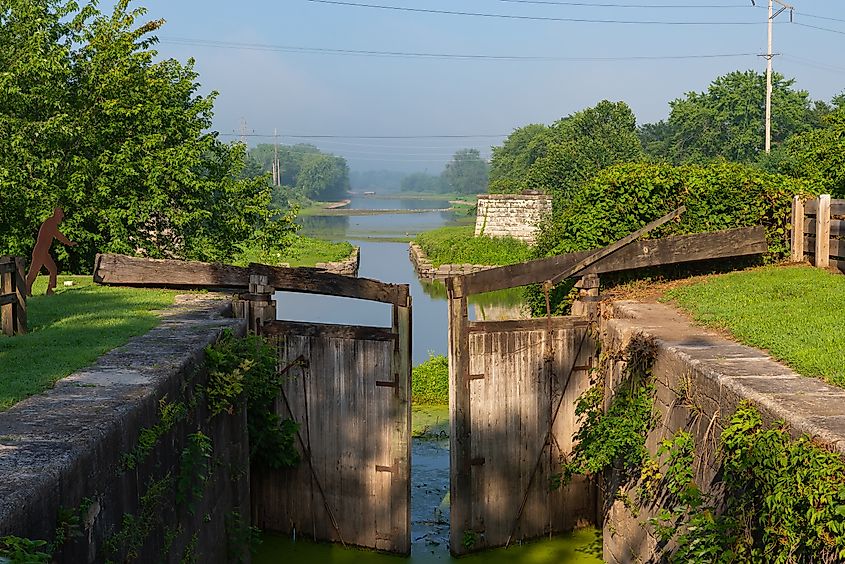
{"points": [[797, 246], [837, 229], [329, 330], [535, 324], [823, 232], [837, 246], [837, 207], [612, 248], [460, 421], [743, 241], [6, 299], [122, 270], [20, 291]]}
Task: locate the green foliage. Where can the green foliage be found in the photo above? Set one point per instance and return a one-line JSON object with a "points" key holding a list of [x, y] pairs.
{"points": [[422, 182], [241, 538], [785, 499], [585, 143], [615, 437], [70, 330], [430, 381], [248, 366], [511, 162], [90, 120], [306, 169], [466, 173], [623, 198], [194, 470], [458, 245], [170, 413], [23, 551], [728, 121], [768, 308], [299, 251], [818, 156], [126, 543]]}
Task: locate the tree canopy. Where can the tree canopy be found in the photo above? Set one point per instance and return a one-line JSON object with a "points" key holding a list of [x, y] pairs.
{"points": [[728, 120], [467, 172], [91, 122], [314, 174]]}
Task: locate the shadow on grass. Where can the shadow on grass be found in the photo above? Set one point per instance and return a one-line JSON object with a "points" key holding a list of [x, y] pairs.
{"points": [[70, 330]]}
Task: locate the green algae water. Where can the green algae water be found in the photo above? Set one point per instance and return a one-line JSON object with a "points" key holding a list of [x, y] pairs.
{"points": [[581, 547]]}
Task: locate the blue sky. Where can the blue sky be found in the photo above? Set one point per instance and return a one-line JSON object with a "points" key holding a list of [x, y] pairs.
{"points": [[318, 94]]}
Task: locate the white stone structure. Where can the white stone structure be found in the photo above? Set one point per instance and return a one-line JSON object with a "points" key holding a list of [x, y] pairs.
{"points": [[512, 215]]}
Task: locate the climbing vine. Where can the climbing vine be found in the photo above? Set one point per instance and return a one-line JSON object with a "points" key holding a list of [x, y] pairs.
{"points": [[249, 366], [615, 437], [784, 499]]}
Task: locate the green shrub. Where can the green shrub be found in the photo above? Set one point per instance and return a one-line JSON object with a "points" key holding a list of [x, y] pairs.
{"points": [[623, 198], [430, 381], [248, 365], [458, 245]]}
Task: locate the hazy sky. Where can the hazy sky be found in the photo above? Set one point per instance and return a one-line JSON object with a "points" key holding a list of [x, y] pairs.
{"points": [[307, 93]]}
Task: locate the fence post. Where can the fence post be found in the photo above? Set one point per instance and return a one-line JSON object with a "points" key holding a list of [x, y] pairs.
{"points": [[587, 302], [823, 232], [7, 311], [797, 248], [257, 305], [19, 282]]}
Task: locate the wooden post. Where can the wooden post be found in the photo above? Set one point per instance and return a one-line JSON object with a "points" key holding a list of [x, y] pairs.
{"points": [[256, 306], [7, 310], [797, 248], [460, 453], [400, 489], [587, 302], [12, 296], [823, 232], [19, 279]]}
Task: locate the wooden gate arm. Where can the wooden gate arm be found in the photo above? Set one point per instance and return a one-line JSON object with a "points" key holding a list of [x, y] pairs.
{"points": [[743, 241]]}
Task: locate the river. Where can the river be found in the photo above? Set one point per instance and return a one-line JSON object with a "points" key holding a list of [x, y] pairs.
{"points": [[383, 240]]}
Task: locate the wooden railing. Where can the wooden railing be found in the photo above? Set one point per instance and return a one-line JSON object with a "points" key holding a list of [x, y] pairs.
{"points": [[818, 231], [12, 296]]}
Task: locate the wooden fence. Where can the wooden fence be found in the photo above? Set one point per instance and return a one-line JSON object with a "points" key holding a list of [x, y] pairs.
{"points": [[818, 231], [12, 296]]}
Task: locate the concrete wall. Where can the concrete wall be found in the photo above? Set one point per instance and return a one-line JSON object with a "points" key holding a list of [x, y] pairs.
{"points": [[65, 450], [700, 379], [512, 215]]}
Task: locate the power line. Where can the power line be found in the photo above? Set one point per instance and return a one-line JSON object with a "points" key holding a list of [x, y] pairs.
{"points": [[619, 5], [428, 55], [811, 63], [806, 15], [479, 136], [520, 17], [840, 32]]}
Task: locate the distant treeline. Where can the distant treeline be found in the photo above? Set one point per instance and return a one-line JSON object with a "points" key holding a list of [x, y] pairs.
{"points": [[306, 170]]}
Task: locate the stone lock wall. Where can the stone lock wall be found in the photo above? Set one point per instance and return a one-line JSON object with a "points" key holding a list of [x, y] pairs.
{"points": [[512, 215], [700, 378], [74, 457]]}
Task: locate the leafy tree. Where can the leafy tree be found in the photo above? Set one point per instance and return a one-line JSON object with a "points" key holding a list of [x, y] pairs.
{"points": [[817, 156], [510, 162], [323, 177], [423, 182], [585, 143], [728, 120], [467, 172], [91, 122]]}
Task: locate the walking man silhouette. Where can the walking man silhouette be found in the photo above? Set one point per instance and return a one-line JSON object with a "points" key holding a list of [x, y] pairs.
{"points": [[41, 253]]}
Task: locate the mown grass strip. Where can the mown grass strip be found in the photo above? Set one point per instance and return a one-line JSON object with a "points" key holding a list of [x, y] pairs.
{"points": [[302, 251], [70, 330], [793, 312], [457, 245]]}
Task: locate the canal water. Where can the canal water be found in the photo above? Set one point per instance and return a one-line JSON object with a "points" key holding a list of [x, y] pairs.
{"points": [[384, 258]]}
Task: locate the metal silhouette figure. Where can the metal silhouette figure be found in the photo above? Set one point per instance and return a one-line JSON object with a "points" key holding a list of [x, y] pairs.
{"points": [[41, 253]]}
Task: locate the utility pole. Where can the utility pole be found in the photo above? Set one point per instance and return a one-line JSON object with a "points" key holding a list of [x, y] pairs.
{"points": [[277, 169], [243, 130], [769, 56]]}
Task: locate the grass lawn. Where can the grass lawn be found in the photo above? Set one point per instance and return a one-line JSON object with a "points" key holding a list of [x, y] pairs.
{"points": [[303, 251], [70, 330], [457, 245], [796, 313]]}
